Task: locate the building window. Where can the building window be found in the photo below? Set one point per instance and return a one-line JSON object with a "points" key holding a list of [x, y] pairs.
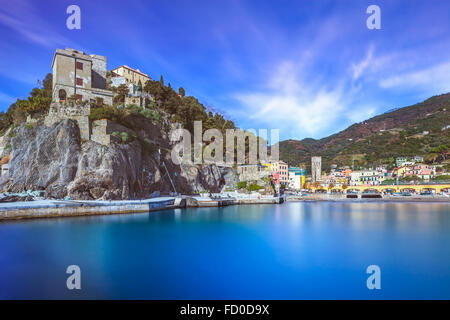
{"points": [[79, 97], [79, 66], [62, 95], [79, 82]]}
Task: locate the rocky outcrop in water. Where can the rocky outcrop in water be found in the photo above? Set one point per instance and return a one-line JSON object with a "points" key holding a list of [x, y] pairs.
{"points": [[56, 160]]}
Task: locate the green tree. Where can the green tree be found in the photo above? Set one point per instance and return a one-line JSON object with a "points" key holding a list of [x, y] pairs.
{"points": [[181, 92], [121, 92], [40, 98]]}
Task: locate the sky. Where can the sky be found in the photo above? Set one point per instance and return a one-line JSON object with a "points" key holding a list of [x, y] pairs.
{"points": [[309, 68]]}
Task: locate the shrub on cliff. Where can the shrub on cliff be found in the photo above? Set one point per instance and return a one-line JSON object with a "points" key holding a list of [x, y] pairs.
{"points": [[254, 187], [124, 136], [106, 112], [150, 113], [185, 110], [242, 185]]}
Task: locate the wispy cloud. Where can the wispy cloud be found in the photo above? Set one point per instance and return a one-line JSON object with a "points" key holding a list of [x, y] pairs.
{"points": [[22, 17], [298, 105], [436, 77], [360, 67]]}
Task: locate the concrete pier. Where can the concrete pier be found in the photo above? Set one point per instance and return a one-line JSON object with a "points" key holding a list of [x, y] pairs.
{"points": [[60, 208]]}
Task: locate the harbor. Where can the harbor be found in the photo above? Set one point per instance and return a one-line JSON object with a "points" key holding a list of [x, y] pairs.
{"points": [[73, 208]]}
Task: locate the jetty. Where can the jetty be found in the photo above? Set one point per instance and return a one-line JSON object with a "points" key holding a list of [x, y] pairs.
{"points": [[71, 208]]}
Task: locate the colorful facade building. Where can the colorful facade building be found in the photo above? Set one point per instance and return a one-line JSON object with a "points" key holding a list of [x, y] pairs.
{"points": [[279, 167], [365, 178], [369, 178], [401, 172]]}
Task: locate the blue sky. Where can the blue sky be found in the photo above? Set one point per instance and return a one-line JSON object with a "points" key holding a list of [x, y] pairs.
{"points": [[309, 68]]}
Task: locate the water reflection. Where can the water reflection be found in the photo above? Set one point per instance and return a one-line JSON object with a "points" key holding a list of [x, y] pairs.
{"points": [[290, 251]]}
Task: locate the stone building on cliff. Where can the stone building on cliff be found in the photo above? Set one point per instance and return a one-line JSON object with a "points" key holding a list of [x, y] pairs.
{"points": [[78, 74], [80, 83], [81, 77]]}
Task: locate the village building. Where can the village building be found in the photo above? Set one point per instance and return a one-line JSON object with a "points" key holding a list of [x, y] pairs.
{"points": [[131, 75], [134, 80], [281, 168], [252, 172], [297, 177], [365, 178]]}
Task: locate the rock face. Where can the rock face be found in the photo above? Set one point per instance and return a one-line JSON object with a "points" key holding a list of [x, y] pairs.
{"points": [[5, 144], [56, 160], [44, 158], [109, 172]]}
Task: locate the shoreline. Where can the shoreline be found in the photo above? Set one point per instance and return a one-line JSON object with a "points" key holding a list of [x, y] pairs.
{"points": [[75, 208], [326, 197]]}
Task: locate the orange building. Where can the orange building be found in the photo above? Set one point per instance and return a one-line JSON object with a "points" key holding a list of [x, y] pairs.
{"points": [[282, 168]]}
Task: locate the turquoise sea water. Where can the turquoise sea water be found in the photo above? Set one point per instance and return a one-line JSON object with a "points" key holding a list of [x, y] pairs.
{"points": [[301, 250]]}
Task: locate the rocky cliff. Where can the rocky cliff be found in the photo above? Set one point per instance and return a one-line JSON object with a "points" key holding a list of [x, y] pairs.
{"points": [[57, 160]]}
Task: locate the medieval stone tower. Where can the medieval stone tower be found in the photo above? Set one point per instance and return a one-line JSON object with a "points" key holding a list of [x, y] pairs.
{"points": [[316, 169]]}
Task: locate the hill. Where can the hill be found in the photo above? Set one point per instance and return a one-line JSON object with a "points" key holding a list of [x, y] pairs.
{"points": [[407, 131]]}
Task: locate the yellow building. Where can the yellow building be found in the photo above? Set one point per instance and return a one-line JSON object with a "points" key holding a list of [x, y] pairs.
{"points": [[268, 166], [131, 75], [401, 172]]}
